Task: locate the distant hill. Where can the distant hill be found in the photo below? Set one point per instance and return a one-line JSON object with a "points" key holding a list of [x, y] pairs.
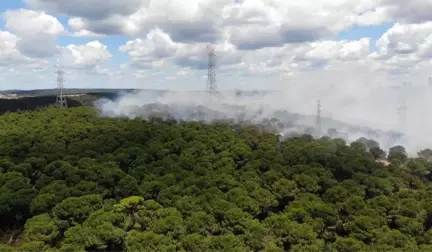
{"points": [[14, 100], [70, 91], [31, 103]]}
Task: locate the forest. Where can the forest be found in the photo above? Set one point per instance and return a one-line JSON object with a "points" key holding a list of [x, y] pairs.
{"points": [[31, 103], [72, 180], [40, 100]]}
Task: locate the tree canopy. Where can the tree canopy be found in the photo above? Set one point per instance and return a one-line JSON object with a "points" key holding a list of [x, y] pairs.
{"points": [[71, 180]]}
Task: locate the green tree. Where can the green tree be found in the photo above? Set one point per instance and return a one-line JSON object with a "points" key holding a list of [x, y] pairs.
{"points": [[41, 228]]}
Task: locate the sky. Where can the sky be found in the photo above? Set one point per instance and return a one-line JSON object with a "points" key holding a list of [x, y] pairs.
{"points": [[260, 44]]}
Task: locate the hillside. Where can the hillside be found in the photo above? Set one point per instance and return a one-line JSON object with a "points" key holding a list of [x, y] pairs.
{"points": [[67, 91], [31, 103], [14, 100], [72, 91], [22, 103], [73, 181]]}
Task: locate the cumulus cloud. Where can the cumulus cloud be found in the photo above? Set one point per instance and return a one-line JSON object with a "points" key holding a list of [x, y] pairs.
{"points": [[98, 9], [250, 24], [271, 22], [413, 11], [89, 55], [8, 50], [338, 50], [186, 21], [257, 24], [293, 59], [37, 31], [405, 46], [259, 37], [9, 53], [158, 46]]}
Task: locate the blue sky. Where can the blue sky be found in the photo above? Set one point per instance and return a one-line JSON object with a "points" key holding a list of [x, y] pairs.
{"points": [[357, 32], [9, 5]]}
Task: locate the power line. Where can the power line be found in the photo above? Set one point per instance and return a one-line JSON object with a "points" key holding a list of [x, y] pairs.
{"points": [[61, 99], [211, 76]]}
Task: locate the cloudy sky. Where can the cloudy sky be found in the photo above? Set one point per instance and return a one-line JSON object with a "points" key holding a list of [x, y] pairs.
{"points": [[261, 44]]}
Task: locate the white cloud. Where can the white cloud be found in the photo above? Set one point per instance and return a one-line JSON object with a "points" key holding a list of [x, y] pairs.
{"points": [[28, 23], [405, 46], [292, 59], [413, 11], [8, 50], [253, 38], [37, 31], [9, 53], [78, 25], [250, 24], [89, 55], [158, 47], [185, 21], [271, 23], [94, 9], [337, 50]]}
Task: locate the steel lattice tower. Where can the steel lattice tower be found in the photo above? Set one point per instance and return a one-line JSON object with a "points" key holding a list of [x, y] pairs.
{"points": [[211, 76], [61, 99]]}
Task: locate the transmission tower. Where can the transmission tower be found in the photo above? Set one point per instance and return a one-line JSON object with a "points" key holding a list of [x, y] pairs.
{"points": [[211, 76], [318, 120], [61, 99]]}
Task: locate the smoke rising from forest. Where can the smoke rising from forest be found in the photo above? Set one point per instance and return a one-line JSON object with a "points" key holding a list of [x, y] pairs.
{"points": [[354, 113]]}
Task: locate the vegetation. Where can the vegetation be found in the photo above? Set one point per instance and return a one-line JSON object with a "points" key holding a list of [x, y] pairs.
{"points": [[38, 99], [73, 181], [31, 103]]}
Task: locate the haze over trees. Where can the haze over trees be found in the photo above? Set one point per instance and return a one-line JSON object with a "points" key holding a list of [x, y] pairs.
{"points": [[73, 181]]}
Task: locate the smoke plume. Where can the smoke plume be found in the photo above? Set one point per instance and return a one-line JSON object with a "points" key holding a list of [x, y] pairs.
{"points": [[371, 113]]}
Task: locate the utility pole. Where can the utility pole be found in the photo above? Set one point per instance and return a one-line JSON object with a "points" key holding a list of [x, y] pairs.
{"points": [[61, 99], [211, 76]]}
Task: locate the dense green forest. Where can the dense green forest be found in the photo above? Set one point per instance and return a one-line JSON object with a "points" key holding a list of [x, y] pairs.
{"points": [[71, 180], [31, 103], [38, 102]]}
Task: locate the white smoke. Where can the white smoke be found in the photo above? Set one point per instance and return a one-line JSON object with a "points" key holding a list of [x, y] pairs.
{"points": [[370, 113]]}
